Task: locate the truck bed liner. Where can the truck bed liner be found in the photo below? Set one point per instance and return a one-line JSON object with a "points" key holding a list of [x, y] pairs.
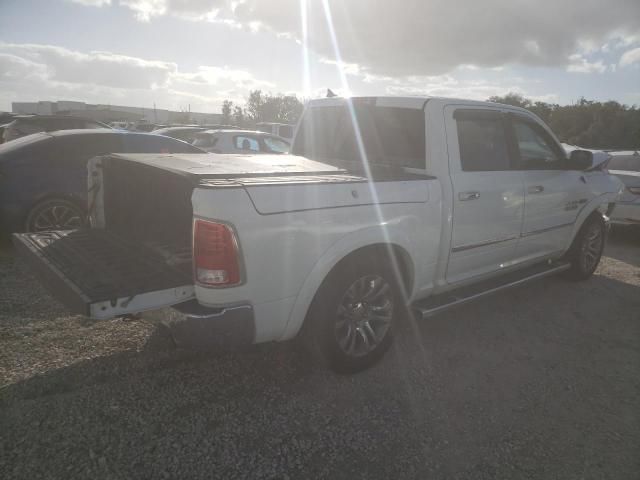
{"points": [[91, 268]]}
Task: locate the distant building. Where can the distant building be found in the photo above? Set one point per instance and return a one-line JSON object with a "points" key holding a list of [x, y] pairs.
{"points": [[115, 113]]}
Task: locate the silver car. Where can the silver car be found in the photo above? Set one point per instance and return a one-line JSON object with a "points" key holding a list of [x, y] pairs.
{"points": [[240, 141], [626, 166]]}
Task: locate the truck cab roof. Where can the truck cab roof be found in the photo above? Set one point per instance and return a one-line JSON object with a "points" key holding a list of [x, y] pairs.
{"points": [[417, 102]]}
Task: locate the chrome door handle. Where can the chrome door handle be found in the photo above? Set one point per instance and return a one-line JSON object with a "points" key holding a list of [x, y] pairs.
{"points": [[464, 196], [535, 189]]}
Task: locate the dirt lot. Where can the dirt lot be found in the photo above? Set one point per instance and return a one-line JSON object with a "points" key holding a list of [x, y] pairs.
{"points": [[541, 382]]}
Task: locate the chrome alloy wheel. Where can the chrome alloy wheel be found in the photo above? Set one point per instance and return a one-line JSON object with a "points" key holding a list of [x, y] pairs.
{"points": [[56, 217], [592, 247], [364, 315]]}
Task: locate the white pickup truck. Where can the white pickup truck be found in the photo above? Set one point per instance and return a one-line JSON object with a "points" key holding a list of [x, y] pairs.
{"points": [[386, 203]]}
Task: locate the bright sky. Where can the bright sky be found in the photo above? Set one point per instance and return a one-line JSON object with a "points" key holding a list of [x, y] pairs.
{"points": [[199, 52]]}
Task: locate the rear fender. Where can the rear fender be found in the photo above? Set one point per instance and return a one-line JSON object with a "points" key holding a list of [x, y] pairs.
{"points": [[341, 249]]}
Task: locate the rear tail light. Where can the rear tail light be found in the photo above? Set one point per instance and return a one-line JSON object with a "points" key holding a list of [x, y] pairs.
{"points": [[215, 254]]}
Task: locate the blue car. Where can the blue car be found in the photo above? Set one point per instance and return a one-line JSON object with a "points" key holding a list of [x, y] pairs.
{"points": [[43, 177]]}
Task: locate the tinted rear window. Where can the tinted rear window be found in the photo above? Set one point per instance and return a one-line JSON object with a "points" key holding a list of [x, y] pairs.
{"points": [[390, 135], [483, 145]]}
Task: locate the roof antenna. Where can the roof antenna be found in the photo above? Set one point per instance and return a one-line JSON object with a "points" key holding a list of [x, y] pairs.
{"points": [[330, 93]]}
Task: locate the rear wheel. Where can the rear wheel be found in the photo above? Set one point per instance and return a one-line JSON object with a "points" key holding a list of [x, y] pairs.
{"points": [[349, 325], [586, 251], [55, 214]]}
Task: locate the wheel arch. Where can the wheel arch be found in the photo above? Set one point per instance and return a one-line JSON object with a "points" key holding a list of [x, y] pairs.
{"points": [[353, 246], [600, 206]]}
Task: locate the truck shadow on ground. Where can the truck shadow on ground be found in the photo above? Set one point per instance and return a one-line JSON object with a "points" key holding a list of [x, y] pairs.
{"points": [[512, 379], [624, 245], [519, 311]]}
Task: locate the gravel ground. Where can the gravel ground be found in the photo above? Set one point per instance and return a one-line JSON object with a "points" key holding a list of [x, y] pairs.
{"points": [[541, 382]]}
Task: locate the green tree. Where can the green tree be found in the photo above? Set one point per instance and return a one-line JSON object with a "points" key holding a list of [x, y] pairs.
{"points": [[279, 108], [239, 116], [587, 123], [511, 98], [227, 109]]}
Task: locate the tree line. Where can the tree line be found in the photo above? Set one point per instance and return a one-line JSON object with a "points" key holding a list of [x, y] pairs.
{"points": [[262, 107], [586, 123]]}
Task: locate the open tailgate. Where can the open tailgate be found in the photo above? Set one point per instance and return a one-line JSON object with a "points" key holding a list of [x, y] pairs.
{"points": [[101, 275]]}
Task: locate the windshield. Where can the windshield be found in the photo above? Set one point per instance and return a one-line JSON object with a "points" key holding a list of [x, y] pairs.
{"points": [[276, 145], [390, 135]]}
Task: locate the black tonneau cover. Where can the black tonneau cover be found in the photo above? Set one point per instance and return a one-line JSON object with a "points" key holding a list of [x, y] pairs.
{"points": [[199, 166], [218, 170]]}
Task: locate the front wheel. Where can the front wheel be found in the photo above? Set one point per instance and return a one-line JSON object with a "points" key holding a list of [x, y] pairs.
{"points": [[586, 250], [349, 324]]}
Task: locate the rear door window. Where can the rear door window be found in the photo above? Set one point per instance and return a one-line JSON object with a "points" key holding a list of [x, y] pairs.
{"points": [[483, 142]]}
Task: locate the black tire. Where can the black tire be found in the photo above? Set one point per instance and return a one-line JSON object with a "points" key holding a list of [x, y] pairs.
{"points": [[55, 214], [331, 316], [586, 249]]}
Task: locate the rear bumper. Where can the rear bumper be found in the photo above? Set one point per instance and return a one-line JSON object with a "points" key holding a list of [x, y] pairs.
{"points": [[193, 326]]}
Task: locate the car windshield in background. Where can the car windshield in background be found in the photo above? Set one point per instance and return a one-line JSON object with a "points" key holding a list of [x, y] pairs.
{"points": [[276, 145], [629, 163], [390, 135]]}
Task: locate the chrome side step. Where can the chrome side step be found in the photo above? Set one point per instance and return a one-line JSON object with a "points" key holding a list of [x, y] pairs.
{"points": [[439, 303]]}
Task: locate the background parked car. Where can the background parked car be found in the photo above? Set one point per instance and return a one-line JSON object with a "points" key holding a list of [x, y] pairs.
{"points": [[626, 166], [186, 134], [283, 130], [43, 177], [28, 124], [240, 141], [5, 119]]}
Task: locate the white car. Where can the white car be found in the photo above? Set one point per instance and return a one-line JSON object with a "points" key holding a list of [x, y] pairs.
{"points": [[626, 166], [427, 204], [240, 141], [282, 130]]}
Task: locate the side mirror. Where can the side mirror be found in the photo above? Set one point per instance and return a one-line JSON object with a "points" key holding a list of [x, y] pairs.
{"points": [[580, 160]]}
